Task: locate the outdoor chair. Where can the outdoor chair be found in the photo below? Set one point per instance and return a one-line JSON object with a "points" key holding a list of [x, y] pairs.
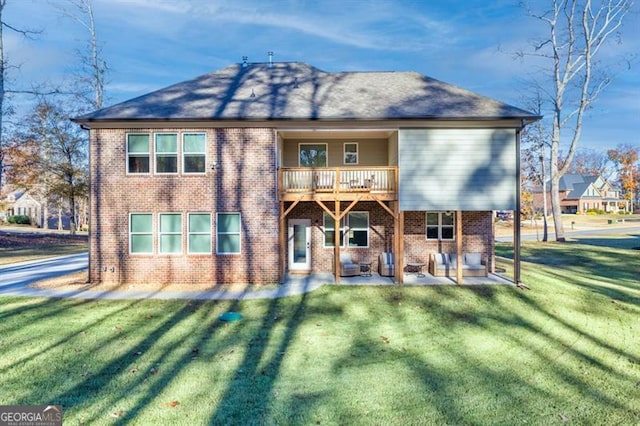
{"points": [[385, 265], [347, 267]]}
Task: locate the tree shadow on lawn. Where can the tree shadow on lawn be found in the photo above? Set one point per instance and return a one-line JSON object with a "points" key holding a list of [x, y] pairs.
{"points": [[631, 242], [419, 344], [449, 377], [613, 265]]}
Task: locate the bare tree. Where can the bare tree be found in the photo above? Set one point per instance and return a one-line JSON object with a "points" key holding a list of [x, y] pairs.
{"points": [[579, 32], [3, 89], [94, 67]]}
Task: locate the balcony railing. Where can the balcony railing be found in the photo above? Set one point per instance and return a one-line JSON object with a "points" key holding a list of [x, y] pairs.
{"points": [[338, 180]]}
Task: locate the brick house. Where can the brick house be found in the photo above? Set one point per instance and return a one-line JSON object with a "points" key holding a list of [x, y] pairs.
{"points": [[245, 173], [581, 193]]}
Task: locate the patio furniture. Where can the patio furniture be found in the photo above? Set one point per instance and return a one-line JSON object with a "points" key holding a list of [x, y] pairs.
{"points": [[445, 265], [365, 269], [417, 266], [385, 265], [347, 267]]}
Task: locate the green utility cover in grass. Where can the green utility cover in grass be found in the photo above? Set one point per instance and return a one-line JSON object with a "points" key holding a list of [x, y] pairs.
{"points": [[230, 316]]}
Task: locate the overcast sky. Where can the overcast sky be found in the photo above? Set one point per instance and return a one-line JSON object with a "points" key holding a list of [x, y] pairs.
{"points": [[150, 44]]}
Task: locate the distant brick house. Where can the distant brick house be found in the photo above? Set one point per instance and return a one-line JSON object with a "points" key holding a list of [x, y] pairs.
{"points": [[246, 173], [581, 193]]}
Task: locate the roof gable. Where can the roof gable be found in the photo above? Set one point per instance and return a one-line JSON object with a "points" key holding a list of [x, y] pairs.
{"points": [[298, 91]]}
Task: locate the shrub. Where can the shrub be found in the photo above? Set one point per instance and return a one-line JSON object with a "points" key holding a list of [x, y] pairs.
{"points": [[595, 211], [19, 219]]}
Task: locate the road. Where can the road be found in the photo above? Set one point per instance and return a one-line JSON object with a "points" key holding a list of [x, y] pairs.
{"points": [[568, 233], [19, 275]]}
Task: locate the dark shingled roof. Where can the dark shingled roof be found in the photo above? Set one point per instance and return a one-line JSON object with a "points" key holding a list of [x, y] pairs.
{"points": [[298, 91]]}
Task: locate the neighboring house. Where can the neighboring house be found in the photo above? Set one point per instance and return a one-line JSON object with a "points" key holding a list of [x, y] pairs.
{"points": [[246, 173], [581, 193], [22, 203]]}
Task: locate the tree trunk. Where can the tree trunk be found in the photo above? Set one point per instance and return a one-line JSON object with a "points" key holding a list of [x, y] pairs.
{"points": [[556, 209]]}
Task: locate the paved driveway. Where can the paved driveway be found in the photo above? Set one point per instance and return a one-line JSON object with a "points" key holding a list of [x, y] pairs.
{"points": [[568, 233], [15, 280], [19, 275]]}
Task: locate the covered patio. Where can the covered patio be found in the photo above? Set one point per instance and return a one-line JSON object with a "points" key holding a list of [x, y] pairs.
{"points": [[409, 279]]}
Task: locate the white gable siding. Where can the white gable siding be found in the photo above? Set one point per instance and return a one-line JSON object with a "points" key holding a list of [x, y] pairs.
{"points": [[457, 169]]}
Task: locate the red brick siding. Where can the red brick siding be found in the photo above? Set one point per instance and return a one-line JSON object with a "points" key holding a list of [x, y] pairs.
{"points": [[380, 234], [245, 182], [477, 228], [477, 231]]}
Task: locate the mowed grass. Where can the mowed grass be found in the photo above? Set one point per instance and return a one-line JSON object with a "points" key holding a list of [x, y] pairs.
{"points": [[565, 352]]}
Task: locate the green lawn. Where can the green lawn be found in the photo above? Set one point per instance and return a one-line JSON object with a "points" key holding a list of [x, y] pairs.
{"points": [[565, 352], [26, 245]]}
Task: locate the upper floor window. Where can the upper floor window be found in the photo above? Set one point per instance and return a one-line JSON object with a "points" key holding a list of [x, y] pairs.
{"points": [[312, 155], [166, 153], [138, 153], [440, 225], [351, 153], [194, 152]]}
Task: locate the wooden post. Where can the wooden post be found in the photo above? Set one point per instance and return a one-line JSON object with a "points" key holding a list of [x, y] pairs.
{"points": [[336, 247], [283, 242], [400, 261], [459, 247]]}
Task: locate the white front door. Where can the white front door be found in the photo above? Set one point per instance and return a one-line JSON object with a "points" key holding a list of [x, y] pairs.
{"points": [[299, 244]]}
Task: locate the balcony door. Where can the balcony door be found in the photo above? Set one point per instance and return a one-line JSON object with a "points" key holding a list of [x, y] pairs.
{"points": [[299, 245]]}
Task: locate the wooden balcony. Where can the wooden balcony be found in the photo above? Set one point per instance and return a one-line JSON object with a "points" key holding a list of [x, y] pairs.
{"points": [[334, 183]]}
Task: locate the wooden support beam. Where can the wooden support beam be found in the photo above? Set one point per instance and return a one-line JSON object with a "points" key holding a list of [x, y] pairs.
{"points": [[384, 206], [286, 212], [283, 243], [459, 247], [326, 209], [348, 209], [336, 241], [398, 243]]}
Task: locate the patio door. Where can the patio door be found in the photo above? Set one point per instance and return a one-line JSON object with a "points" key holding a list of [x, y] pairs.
{"points": [[299, 245]]}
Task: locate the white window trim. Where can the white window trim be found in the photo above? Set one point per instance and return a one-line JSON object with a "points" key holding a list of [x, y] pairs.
{"points": [[349, 229], [141, 233], [440, 226], [239, 233], [344, 153], [160, 233], [184, 154], [189, 233], [126, 143], [155, 154], [343, 228], [326, 148]]}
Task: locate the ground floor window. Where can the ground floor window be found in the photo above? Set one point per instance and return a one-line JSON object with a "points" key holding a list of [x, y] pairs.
{"points": [[199, 239], [228, 233], [440, 225], [141, 233], [170, 233], [354, 230]]}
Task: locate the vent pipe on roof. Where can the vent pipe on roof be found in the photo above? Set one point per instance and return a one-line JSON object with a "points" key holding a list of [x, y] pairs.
{"points": [[270, 53], [245, 60]]}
